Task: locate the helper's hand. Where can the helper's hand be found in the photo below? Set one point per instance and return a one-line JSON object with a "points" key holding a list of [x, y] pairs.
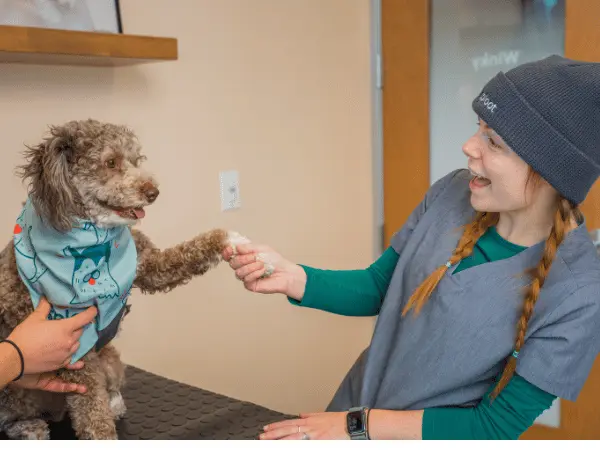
{"points": [[250, 263], [50, 382], [48, 345]]}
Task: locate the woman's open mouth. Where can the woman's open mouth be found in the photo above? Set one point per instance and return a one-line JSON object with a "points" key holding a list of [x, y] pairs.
{"points": [[478, 181]]}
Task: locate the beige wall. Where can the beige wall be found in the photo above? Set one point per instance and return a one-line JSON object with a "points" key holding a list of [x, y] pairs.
{"points": [[285, 82]]}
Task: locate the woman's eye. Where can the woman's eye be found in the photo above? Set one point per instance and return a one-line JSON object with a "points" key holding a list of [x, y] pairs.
{"points": [[111, 164], [492, 142]]}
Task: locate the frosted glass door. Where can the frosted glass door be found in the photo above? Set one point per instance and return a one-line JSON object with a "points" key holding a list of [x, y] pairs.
{"points": [[471, 40]]}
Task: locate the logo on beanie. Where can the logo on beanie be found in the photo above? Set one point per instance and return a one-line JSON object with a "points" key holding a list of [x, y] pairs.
{"points": [[490, 105]]}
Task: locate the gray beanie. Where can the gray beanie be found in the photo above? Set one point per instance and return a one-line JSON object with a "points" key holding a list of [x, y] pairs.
{"points": [[548, 112]]}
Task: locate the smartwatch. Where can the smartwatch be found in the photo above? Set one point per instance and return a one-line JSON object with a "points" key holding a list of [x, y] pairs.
{"points": [[357, 423]]}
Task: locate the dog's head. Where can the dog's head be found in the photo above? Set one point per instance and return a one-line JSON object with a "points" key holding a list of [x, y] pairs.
{"points": [[88, 170]]}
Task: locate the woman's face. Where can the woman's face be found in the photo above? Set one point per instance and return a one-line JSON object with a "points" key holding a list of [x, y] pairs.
{"points": [[500, 177]]}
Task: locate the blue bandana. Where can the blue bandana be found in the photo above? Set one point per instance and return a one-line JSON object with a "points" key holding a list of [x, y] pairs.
{"points": [[87, 266]]}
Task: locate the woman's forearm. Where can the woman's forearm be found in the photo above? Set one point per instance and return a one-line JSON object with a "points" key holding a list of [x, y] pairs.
{"points": [[393, 425], [347, 292], [9, 364]]}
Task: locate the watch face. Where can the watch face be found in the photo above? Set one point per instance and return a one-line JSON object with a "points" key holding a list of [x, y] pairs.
{"points": [[355, 422]]}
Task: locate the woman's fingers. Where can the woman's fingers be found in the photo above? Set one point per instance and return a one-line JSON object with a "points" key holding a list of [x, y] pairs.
{"points": [[247, 269], [242, 260], [285, 424], [255, 275], [292, 437], [227, 253], [282, 432]]}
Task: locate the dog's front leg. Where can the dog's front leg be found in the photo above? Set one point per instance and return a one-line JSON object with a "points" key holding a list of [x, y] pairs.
{"points": [[90, 413], [163, 270]]}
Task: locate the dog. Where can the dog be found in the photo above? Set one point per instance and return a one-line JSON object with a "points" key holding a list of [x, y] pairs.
{"points": [[87, 175]]}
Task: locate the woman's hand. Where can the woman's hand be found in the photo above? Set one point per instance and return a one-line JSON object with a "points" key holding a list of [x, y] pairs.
{"points": [[48, 345], [327, 425], [50, 382], [249, 264]]}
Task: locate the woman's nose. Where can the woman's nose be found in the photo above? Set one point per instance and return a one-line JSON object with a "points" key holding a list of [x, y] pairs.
{"points": [[472, 148]]}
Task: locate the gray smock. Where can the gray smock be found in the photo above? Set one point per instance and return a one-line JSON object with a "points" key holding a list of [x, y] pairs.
{"points": [[454, 350]]}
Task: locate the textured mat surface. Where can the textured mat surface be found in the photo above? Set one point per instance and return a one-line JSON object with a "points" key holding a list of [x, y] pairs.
{"points": [[159, 408]]}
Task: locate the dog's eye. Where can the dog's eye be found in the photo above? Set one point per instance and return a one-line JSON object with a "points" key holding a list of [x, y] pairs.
{"points": [[111, 164]]}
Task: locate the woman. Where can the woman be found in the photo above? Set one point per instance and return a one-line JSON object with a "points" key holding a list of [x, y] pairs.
{"points": [[39, 346], [488, 298]]}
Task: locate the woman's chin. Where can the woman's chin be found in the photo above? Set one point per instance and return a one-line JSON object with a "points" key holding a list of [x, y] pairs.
{"points": [[480, 204]]}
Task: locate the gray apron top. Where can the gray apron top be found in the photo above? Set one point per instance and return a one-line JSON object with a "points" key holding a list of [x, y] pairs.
{"points": [[451, 353]]}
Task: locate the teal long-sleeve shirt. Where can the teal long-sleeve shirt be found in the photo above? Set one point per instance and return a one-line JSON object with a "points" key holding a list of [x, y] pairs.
{"points": [[361, 293]]}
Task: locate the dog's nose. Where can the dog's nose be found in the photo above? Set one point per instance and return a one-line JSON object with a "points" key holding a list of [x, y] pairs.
{"points": [[150, 192]]}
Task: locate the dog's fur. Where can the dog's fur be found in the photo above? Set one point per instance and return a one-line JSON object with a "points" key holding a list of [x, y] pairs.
{"points": [[92, 170]]}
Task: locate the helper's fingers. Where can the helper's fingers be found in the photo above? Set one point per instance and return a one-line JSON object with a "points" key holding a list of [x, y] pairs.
{"points": [[77, 366], [44, 307], [77, 333], [56, 385], [82, 319], [74, 347]]}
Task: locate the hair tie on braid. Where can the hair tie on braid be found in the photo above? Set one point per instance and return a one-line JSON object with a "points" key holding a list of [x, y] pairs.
{"points": [[448, 264], [515, 354]]}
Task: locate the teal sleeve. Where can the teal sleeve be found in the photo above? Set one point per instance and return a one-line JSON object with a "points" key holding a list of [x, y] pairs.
{"points": [[349, 292], [507, 417]]}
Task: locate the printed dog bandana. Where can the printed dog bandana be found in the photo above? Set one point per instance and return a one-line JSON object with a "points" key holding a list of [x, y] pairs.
{"points": [[86, 266]]}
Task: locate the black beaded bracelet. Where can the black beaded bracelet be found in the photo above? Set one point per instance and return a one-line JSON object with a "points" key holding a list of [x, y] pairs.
{"points": [[8, 341]]}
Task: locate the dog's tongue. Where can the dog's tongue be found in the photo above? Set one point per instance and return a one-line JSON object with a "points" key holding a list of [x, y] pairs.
{"points": [[139, 213]]}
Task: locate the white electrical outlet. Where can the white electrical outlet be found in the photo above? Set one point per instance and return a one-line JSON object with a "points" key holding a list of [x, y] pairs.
{"points": [[230, 190]]}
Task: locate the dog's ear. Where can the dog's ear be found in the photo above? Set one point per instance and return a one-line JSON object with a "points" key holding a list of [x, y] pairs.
{"points": [[47, 172]]}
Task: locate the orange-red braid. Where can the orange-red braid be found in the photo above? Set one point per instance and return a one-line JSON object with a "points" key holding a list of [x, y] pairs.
{"points": [[565, 212], [471, 234]]}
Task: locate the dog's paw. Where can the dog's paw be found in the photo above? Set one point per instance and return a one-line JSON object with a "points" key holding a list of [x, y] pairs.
{"points": [[117, 405], [234, 239], [269, 265]]}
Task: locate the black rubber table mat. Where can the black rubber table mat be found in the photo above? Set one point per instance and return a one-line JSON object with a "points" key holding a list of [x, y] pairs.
{"points": [[159, 408]]}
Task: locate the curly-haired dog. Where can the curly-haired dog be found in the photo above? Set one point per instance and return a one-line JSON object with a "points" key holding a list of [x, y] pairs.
{"points": [[86, 190]]}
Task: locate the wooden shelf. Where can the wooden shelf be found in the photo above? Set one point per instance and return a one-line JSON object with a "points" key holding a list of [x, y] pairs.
{"points": [[49, 46]]}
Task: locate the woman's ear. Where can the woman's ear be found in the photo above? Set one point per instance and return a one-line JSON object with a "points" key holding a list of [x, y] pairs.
{"points": [[48, 173]]}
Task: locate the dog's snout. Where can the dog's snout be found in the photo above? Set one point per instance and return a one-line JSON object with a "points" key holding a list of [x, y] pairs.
{"points": [[150, 191]]}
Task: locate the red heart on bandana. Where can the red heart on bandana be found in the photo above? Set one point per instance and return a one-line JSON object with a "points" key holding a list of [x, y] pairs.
{"points": [[18, 229]]}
